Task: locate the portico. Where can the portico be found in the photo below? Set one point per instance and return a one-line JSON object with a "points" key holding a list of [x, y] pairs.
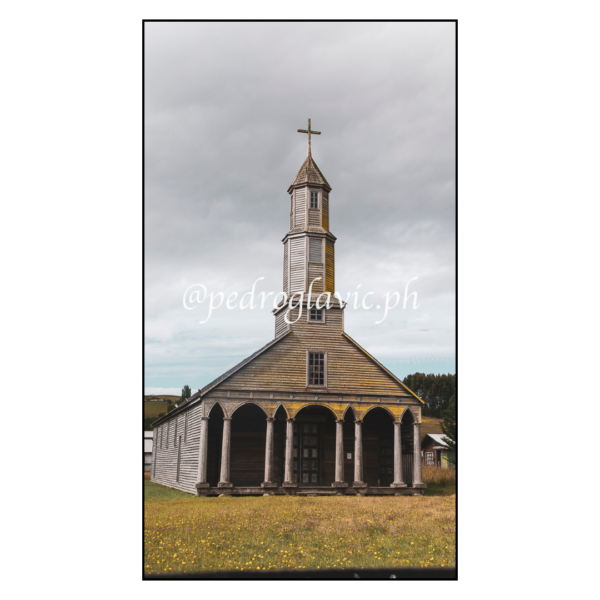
{"points": [[310, 448]]}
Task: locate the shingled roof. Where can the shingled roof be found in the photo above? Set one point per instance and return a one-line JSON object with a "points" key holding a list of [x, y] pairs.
{"points": [[310, 173]]}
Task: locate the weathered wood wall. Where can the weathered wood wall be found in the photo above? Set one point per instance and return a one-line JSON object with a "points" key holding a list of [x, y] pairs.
{"points": [[283, 366], [325, 222], [169, 452]]}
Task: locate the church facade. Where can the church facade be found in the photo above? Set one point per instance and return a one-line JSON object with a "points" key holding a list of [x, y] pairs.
{"points": [[311, 412]]}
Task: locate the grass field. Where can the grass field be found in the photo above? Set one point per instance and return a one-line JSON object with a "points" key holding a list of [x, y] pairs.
{"points": [[188, 534]]}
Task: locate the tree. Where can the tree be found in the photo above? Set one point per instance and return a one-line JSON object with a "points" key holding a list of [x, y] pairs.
{"points": [[434, 390], [448, 426], [186, 392]]}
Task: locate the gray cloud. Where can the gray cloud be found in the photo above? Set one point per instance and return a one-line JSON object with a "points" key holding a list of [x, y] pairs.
{"points": [[223, 103]]}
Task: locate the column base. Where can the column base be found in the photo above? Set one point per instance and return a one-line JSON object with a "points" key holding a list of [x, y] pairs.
{"points": [[224, 484], [289, 484], [419, 485], [339, 484], [268, 484], [397, 484], [359, 484], [202, 488]]}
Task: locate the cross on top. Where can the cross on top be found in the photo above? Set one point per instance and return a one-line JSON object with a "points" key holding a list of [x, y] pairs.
{"points": [[309, 132]]}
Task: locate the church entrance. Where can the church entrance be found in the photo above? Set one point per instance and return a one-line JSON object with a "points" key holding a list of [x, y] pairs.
{"points": [[307, 453]]}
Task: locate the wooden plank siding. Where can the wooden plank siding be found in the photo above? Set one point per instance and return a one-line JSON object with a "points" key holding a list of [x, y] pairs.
{"points": [[280, 324], [325, 212], [167, 455], [314, 217], [285, 267], [283, 365], [315, 270], [329, 267]]}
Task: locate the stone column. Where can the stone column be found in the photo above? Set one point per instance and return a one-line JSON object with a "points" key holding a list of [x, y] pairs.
{"points": [[358, 458], [203, 457], [339, 455], [224, 482], [289, 445], [268, 482], [398, 482], [417, 467]]}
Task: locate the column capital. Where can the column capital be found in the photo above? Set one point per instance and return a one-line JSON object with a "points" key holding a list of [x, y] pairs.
{"points": [[339, 420], [227, 418], [270, 418], [358, 421], [291, 420], [204, 418]]}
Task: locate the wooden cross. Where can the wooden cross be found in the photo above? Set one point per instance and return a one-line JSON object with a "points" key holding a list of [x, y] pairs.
{"points": [[309, 132]]}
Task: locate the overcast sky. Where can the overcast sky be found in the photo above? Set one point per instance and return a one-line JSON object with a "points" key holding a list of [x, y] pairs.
{"points": [[223, 104]]}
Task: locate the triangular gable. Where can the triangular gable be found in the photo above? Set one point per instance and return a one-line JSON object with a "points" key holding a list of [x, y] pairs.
{"points": [[382, 367], [282, 367]]}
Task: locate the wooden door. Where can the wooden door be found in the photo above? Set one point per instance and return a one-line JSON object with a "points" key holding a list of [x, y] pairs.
{"points": [[307, 454]]}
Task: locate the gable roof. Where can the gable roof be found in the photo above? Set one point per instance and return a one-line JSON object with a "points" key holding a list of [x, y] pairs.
{"points": [[198, 395], [237, 367], [310, 173], [438, 438], [382, 367]]}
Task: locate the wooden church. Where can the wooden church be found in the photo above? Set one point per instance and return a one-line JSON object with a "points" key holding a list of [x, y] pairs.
{"points": [[312, 412]]}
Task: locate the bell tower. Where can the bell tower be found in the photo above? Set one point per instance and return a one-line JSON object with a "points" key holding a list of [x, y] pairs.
{"points": [[308, 246]]}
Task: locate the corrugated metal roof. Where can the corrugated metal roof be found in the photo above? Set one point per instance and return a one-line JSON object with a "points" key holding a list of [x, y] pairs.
{"points": [[438, 438]]}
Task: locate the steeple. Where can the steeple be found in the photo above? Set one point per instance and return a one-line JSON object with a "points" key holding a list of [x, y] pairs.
{"points": [[309, 173], [308, 247]]}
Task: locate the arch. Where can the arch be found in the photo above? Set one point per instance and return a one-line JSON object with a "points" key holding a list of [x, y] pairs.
{"points": [[211, 406], [408, 409], [351, 408], [309, 404], [233, 409], [285, 410], [247, 444], [385, 408]]}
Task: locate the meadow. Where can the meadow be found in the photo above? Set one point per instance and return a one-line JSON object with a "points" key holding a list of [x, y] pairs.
{"points": [[183, 533]]}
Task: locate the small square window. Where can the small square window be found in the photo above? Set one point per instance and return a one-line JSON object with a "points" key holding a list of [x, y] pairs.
{"points": [[429, 457], [314, 199], [316, 314]]}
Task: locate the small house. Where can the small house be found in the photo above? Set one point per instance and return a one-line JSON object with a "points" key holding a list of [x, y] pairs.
{"points": [[148, 437], [435, 451]]}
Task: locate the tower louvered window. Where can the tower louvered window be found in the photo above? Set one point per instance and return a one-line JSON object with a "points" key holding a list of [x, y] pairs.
{"points": [[315, 250], [314, 199]]}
